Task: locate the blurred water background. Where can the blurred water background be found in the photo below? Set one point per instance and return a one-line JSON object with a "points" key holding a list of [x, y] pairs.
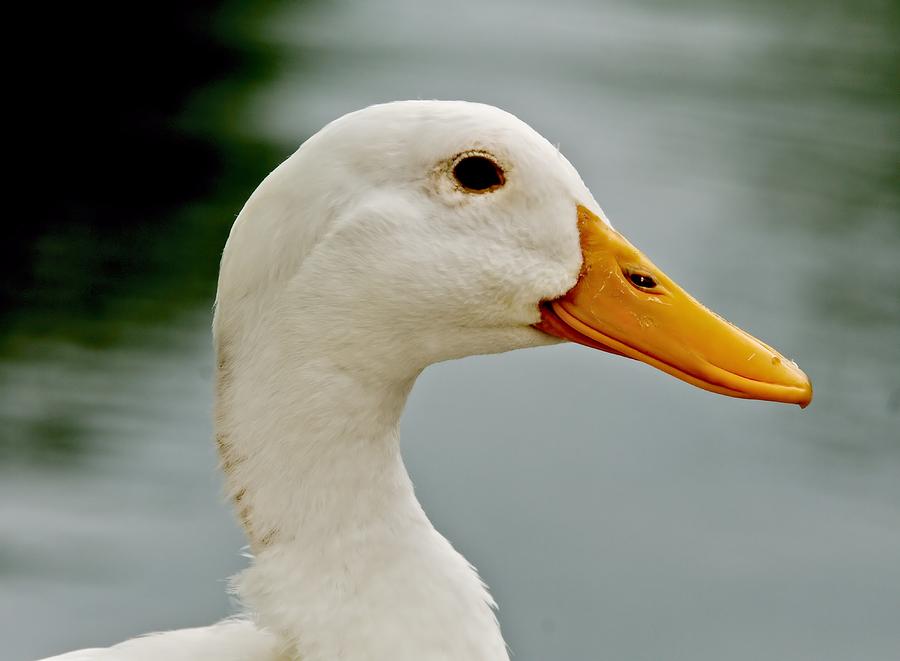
{"points": [[751, 149]]}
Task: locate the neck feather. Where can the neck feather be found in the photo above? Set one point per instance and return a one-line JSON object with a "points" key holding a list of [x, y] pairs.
{"points": [[347, 565]]}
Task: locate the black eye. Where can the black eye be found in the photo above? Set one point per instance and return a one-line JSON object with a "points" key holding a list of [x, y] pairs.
{"points": [[478, 174], [642, 281]]}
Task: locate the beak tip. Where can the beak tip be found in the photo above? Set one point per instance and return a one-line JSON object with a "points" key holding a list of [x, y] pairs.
{"points": [[806, 390], [807, 396]]}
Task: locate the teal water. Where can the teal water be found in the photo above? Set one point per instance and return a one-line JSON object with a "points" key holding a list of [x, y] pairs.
{"points": [[750, 151]]}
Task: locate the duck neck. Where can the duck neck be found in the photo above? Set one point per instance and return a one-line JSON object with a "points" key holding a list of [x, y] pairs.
{"points": [[346, 563]]}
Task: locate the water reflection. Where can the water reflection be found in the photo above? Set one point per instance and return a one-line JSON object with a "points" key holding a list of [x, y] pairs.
{"points": [[750, 150], [145, 134], [132, 187]]}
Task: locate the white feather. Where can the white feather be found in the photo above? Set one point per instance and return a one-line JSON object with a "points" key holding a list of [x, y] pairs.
{"points": [[357, 263], [230, 640]]}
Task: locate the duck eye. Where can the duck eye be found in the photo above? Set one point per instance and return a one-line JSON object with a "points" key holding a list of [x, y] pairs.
{"points": [[642, 281], [478, 174]]}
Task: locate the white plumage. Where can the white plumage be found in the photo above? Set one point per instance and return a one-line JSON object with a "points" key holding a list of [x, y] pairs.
{"points": [[229, 640], [354, 265], [361, 260]]}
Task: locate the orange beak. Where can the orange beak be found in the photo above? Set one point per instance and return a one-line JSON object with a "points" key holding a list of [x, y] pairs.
{"points": [[624, 304]]}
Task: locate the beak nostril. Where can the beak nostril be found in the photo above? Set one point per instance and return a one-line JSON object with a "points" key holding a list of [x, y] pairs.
{"points": [[641, 280]]}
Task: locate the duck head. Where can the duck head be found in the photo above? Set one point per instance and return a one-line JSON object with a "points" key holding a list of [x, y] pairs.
{"points": [[414, 232]]}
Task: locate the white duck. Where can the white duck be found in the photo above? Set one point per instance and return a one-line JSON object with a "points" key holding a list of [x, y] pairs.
{"points": [[399, 236]]}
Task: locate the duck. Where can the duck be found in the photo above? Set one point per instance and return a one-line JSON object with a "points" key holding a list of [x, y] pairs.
{"points": [[399, 236]]}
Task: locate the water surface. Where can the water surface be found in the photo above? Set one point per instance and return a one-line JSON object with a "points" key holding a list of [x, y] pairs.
{"points": [[615, 512]]}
